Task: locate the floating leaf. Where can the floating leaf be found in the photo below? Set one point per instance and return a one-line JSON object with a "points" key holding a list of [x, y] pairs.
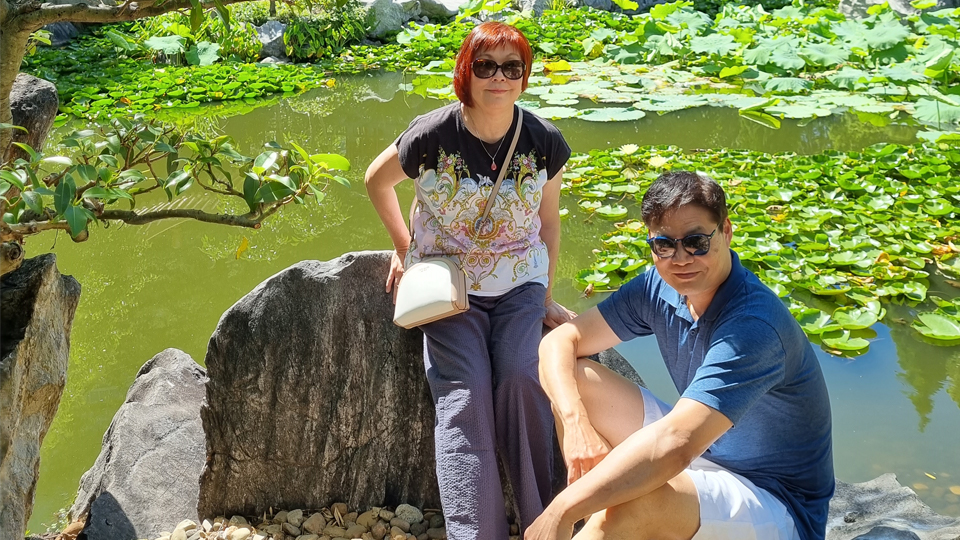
{"points": [[556, 113], [718, 44], [934, 111], [788, 85], [937, 326], [824, 55], [855, 318], [843, 341], [609, 114]]}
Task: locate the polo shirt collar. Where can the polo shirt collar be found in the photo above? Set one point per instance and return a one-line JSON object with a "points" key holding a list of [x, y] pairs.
{"points": [[727, 290]]}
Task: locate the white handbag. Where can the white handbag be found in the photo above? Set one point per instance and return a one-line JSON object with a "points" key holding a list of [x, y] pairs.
{"points": [[436, 287]]}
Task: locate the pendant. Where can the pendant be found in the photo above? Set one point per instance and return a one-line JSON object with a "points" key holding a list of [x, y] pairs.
{"points": [[493, 166]]}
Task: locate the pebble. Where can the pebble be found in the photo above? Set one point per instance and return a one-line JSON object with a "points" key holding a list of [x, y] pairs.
{"points": [[418, 528], [197, 535], [387, 515], [408, 513], [339, 507], [308, 537], [178, 534], [437, 534], [379, 530], [240, 533], [436, 521], [280, 517], [238, 521], [207, 525], [400, 523], [295, 518], [397, 531], [273, 529], [291, 529], [315, 523], [368, 519], [356, 531], [334, 531]]}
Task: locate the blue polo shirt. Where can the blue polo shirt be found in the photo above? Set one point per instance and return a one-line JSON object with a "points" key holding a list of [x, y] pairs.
{"points": [[747, 358]]}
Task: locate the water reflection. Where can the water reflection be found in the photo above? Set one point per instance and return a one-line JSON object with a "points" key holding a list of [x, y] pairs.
{"points": [[166, 284]]}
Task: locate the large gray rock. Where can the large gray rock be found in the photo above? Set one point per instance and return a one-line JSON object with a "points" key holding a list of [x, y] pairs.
{"points": [[271, 36], [61, 33], [34, 104], [146, 478], [390, 15], [440, 9], [882, 509], [35, 323], [315, 396]]}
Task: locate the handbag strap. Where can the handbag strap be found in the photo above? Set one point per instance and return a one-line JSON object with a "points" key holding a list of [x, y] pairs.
{"points": [[496, 187]]}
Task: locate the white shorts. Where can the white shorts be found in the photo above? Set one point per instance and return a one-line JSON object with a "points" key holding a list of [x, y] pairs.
{"points": [[731, 507]]}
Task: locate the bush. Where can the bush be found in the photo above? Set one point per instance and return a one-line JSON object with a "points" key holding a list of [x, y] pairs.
{"points": [[239, 42], [326, 31], [257, 13]]}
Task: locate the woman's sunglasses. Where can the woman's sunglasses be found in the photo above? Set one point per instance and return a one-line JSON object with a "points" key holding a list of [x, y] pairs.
{"points": [[512, 69], [694, 244]]}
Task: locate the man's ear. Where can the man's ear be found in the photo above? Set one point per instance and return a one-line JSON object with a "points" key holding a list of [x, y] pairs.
{"points": [[728, 230]]}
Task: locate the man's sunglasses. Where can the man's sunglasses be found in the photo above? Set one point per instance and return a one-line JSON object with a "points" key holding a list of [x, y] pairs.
{"points": [[694, 244], [512, 69]]}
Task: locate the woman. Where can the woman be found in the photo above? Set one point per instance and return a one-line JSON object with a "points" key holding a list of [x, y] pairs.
{"points": [[481, 365]]}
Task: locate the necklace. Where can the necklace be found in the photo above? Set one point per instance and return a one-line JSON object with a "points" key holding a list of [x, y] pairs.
{"points": [[493, 158]]}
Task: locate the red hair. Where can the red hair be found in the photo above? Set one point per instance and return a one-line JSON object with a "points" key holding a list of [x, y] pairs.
{"points": [[487, 36]]}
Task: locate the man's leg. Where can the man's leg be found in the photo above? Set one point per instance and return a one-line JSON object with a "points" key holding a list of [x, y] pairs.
{"points": [[616, 409]]}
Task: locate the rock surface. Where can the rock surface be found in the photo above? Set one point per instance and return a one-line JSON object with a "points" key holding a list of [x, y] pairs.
{"points": [[271, 36], [35, 323], [316, 396], [882, 509], [34, 103], [61, 33], [342, 410], [390, 15], [145, 479]]}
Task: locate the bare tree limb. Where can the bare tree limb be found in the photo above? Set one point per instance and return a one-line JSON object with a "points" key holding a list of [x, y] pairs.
{"points": [[130, 11], [15, 233], [132, 218]]}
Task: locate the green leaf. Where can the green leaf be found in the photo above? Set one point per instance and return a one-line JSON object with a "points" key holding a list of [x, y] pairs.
{"points": [[824, 55], [716, 44], [76, 219], [937, 326], [788, 59], [165, 44], [934, 111], [611, 114], [250, 186], [791, 85], [64, 194], [849, 78], [203, 54], [843, 342], [850, 318], [331, 162], [265, 161], [34, 201], [886, 35], [273, 192], [761, 118]]}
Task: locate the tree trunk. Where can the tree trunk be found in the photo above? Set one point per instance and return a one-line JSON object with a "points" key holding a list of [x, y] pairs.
{"points": [[13, 45]]}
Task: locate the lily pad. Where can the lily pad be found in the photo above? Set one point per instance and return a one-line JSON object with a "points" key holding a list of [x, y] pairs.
{"points": [[843, 341], [609, 114], [937, 326]]}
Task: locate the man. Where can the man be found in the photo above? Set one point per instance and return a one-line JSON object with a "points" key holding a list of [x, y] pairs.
{"points": [[746, 451]]}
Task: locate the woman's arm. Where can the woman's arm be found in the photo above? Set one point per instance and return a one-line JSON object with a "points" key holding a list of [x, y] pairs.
{"points": [[550, 234], [382, 176]]}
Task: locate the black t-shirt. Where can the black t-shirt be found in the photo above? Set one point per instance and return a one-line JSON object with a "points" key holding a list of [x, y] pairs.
{"points": [[454, 178]]}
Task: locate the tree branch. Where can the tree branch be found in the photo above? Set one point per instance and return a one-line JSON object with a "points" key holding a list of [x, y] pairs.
{"points": [[18, 231], [129, 11], [133, 218]]}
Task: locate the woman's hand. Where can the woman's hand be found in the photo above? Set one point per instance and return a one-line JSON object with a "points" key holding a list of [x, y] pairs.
{"points": [[583, 449], [396, 272], [556, 314]]}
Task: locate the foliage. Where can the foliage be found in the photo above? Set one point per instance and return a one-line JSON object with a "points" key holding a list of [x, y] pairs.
{"points": [[326, 31], [92, 82], [834, 233], [132, 158], [238, 42], [257, 13]]}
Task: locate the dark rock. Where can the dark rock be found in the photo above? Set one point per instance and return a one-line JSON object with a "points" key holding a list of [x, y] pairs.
{"points": [[338, 406], [34, 104], [315, 396], [145, 479], [271, 36], [61, 33], [882, 509], [35, 322]]}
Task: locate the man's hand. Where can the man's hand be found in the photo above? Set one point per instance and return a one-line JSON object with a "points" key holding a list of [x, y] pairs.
{"points": [[556, 314], [583, 449], [549, 526]]}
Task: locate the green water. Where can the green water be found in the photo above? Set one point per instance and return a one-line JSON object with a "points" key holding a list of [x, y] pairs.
{"points": [[147, 288]]}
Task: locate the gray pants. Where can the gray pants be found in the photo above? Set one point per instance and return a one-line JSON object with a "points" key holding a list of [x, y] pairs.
{"points": [[482, 370]]}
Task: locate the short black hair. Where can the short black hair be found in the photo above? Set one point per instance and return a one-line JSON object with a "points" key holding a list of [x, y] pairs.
{"points": [[674, 189]]}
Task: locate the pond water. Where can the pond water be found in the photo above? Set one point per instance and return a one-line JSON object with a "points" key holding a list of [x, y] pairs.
{"points": [[147, 288]]}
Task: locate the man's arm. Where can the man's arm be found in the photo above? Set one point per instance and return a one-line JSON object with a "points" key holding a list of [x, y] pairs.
{"points": [[645, 461], [588, 334]]}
